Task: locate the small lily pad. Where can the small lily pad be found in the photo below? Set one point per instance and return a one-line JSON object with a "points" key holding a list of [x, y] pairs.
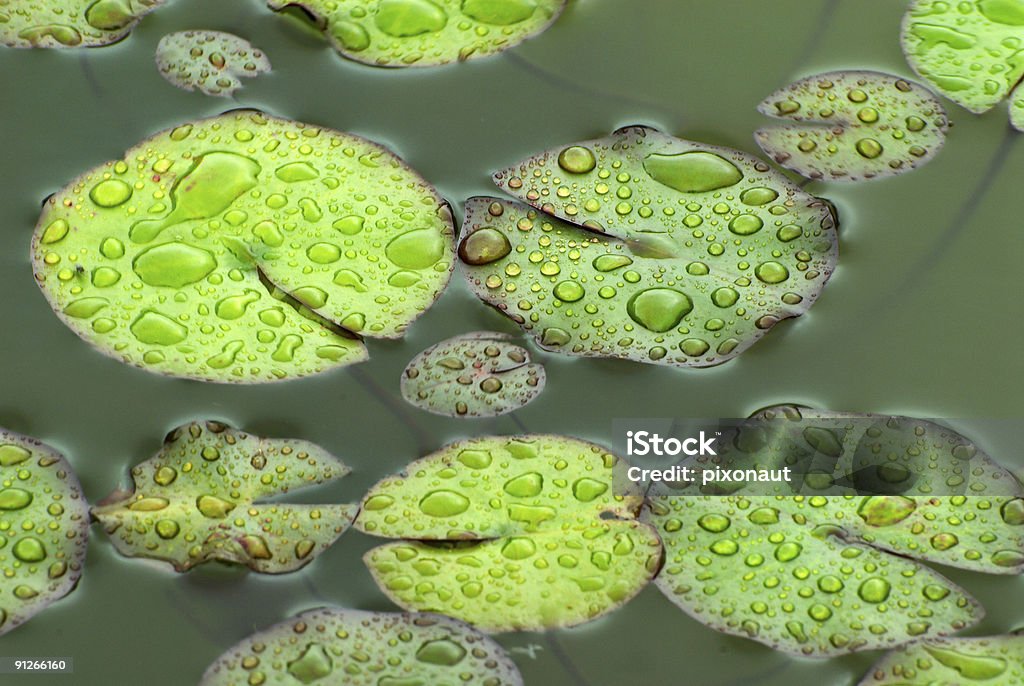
{"points": [[970, 51], [474, 375], [213, 62], [201, 498], [423, 33], [864, 125], [510, 533], [732, 559], [356, 648], [244, 249], [44, 528], [69, 23], [960, 661]]}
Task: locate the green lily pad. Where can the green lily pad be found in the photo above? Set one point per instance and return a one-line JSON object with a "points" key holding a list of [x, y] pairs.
{"points": [[961, 661], [356, 648], [244, 249], [970, 51], [69, 23], [474, 375], [510, 533], [202, 498], [423, 33], [865, 125], [44, 528], [656, 298], [213, 62], [812, 573]]}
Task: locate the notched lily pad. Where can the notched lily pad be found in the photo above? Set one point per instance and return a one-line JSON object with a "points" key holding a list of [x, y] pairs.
{"points": [[336, 645], [961, 661], [69, 23], [510, 533], [812, 574], [864, 125], [244, 249], [203, 497], [970, 51], [479, 374], [212, 62], [423, 33], [44, 528], [648, 248]]}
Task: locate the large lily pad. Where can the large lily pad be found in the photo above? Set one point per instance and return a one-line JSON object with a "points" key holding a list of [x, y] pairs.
{"points": [[423, 33], [865, 125], [812, 573], [212, 62], [970, 51], [479, 374], [203, 497], [244, 248], [69, 23], [44, 528], [510, 533], [356, 648], [995, 660]]}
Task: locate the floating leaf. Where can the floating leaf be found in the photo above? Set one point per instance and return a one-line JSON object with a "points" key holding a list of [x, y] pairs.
{"points": [[423, 33], [341, 646], [44, 528], [960, 661], [69, 23], [970, 51], [217, 250], [201, 498], [474, 375], [212, 61], [511, 533], [866, 125], [811, 573]]}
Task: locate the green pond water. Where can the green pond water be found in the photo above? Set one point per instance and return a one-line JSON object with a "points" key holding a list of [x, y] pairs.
{"points": [[922, 317]]}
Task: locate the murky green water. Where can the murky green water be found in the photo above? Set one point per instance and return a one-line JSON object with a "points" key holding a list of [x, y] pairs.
{"points": [[922, 317]]}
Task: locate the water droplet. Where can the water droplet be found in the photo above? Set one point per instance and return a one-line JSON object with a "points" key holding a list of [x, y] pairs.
{"points": [[417, 249], [569, 291], [771, 272], [444, 503], [14, 498], [314, 664], [692, 172], [484, 246], [659, 309], [715, 523], [874, 590], [407, 18], [29, 549], [525, 485], [577, 159], [884, 510]]}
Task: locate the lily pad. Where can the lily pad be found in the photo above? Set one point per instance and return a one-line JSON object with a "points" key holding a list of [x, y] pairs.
{"points": [[510, 533], [423, 33], [336, 645], [69, 23], [970, 51], [961, 661], [244, 249], [864, 125], [655, 298], [813, 573], [213, 62], [203, 497], [44, 528], [474, 375]]}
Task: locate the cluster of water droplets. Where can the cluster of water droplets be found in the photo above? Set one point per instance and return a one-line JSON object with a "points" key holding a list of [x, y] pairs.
{"points": [[69, 23], [212, 62]]}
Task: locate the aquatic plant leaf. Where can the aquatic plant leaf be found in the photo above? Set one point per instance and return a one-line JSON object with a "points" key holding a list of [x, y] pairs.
{"points": [[864, 125], [423, 33], [651, 298], [479, 374], [203, 497], [970, 51], [69, 23], [961, 661], [510, 533], [213, 62], [44, 528], [244, 249], [750, 567], [337, 645]]}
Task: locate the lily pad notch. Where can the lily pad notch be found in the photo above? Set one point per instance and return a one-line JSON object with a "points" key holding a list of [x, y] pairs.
{"points": [[650, 248], [244, 249]]}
